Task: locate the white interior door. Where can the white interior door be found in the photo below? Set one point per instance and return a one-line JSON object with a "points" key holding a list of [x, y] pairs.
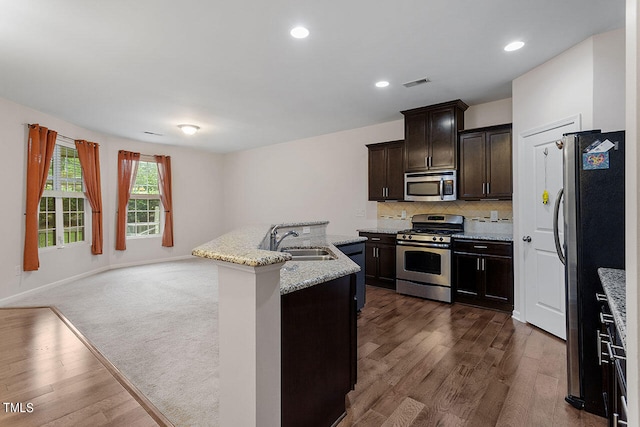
{"points": [[544, 286]]}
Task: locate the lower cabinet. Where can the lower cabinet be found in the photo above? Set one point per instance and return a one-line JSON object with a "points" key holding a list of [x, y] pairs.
{"points": [[380, 260], [355, 251], [613, 363], [319, 352], [483, 273]]}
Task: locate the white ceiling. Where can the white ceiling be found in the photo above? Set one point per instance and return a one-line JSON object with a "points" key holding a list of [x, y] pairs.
{"points": [[124, 67]]}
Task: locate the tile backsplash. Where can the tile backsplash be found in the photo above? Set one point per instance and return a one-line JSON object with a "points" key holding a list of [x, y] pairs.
{"points": [[471, 210]]}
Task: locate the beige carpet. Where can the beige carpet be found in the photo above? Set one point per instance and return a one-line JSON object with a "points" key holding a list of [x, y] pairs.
{"points": [[158, 324]]}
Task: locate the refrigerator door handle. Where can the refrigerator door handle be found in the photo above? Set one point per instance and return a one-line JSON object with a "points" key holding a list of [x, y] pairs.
{"points": [[556, 233]]}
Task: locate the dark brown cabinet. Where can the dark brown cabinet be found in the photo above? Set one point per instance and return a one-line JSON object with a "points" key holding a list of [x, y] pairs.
{"points": [[386, 177], [485, 170], [319, 352], [380, 260], [431, 136], [483, 273]]}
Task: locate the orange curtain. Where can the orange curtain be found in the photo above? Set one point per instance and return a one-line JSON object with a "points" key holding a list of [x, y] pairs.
{"points": [[42, 142], [127, 169], [164, 184], [89, 155]]}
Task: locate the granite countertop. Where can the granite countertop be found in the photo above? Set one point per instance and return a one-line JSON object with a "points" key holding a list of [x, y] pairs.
{"points": [[614, 285], [242, 246], [484, 235], [339, 240], [381, 230]]}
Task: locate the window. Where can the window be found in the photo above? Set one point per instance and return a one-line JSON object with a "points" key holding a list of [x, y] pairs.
{"points": [[62, 215], [143, 210]]}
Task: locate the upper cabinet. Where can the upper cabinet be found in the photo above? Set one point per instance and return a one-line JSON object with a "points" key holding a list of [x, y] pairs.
{"points": [[431, 135], [485, 170], [386, 180]]}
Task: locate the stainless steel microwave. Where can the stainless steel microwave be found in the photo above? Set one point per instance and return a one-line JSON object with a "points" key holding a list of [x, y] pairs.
{"points": [[434, 186]]}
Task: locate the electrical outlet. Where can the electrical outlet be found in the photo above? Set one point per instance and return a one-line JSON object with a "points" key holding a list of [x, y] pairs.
{"points": [[306, 230], [360, 213], [403, 215], [494, 216]]}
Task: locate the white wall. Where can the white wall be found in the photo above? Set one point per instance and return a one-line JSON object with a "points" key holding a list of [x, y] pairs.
{"points": [[197, 187], [574, 82], [320, 178], [488, 114]]}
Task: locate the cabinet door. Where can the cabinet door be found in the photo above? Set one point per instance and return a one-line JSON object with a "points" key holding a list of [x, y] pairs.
{"points": [[471, 177], [387, 264], [499, 164], [442, 139], [377, 172], [415, 139], [498, 277], [395, 172], [370, 262], [467, 275]]}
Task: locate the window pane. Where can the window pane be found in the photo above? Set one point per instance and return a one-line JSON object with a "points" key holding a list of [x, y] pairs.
{"points": [[46, 222], [146, 179]]}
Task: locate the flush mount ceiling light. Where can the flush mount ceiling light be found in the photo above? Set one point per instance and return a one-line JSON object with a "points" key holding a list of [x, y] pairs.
{"points": [[514, 46], [299, 32], [382, 83], [189, 129]]}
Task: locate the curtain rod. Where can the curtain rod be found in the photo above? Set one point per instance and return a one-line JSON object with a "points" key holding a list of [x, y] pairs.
{"points": [[60, 135]]}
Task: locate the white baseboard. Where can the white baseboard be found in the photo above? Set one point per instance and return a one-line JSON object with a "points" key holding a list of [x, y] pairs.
{"points": [[516, 315], [148, 262], [64, 281], [12, 298]]}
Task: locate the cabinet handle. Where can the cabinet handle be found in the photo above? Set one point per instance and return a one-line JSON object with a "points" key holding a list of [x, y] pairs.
{"points": [[375, 239], [606, 319], [612, 354], [478, 264], [426, 161], [600, 341], [480, 246], [601, 298], [617, 421], [625, 411], [484, 264], [484, 186], [488, 188]]}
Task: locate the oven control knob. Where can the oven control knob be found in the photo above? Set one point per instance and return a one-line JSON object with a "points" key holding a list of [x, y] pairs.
{"points": [[441, 239], [434, 238], [409, 237]]}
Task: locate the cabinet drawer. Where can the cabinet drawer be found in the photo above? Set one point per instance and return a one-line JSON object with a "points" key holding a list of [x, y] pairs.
{"points": [[488, 247], [388, 239]]}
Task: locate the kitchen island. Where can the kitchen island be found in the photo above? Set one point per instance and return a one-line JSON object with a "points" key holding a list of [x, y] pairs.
{"points": [[290, 324]]}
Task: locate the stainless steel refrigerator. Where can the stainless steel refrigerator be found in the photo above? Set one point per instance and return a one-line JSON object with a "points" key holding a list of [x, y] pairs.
{"points": [[593, 208]]}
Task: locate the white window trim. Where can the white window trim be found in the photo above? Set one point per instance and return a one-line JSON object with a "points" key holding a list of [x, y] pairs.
{"points": [[149, 159], [59, 195]]}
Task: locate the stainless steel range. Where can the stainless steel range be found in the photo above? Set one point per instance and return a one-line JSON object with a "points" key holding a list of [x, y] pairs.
{"points": [[423, 256]]}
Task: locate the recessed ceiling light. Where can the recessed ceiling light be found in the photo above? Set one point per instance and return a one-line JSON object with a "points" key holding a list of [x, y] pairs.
{"points": [[513, 46], [189, 129], [382, 83], [299, 32]]}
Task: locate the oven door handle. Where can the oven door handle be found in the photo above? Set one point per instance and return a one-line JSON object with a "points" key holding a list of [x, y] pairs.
{"points": [[441, 188], [445, 246]]}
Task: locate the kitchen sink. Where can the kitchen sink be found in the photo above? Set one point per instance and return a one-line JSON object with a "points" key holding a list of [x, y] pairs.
{"points": [[310, 254]]}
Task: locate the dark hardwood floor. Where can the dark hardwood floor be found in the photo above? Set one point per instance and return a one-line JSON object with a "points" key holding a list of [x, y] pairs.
{"points": [[423, 363]]}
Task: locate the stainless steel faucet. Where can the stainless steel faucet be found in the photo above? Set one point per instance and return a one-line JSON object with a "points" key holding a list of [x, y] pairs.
{"points": [[274, 242]]}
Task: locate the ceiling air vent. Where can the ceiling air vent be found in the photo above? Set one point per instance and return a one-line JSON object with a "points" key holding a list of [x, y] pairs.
{"points": [[416, 82], [152, 133]]}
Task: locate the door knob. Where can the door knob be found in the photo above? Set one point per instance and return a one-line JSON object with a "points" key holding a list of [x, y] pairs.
{"points": [[526, 239]]}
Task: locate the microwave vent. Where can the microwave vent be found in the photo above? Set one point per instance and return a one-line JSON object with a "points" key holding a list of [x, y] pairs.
{"points": [[417, 82]]}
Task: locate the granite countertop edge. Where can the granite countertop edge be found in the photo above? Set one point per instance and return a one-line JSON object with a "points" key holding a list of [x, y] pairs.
{"points": [[501, 237], [241, 246], [615, 288]]}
